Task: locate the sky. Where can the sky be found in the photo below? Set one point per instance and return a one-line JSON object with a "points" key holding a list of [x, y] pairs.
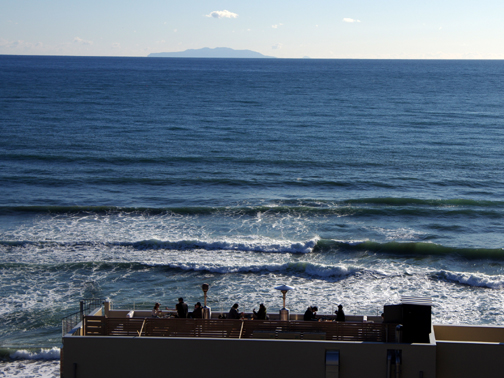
{"points": [[324, 29]]}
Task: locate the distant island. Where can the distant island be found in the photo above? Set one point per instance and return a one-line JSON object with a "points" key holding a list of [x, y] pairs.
{"points": [[206, 52]]}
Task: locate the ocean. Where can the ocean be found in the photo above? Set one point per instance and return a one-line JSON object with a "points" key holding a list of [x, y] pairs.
{"points": [[139, 179]]}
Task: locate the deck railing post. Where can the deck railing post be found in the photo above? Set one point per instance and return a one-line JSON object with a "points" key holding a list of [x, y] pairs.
{"points": [[81, 311]]}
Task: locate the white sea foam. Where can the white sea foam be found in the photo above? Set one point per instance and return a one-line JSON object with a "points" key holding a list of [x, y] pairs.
{"points": [[118, 227], [30, 369]]}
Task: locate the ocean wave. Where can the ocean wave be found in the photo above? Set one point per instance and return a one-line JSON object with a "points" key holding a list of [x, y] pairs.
{"points": [[300, 268], [157, 160], [153, 244], [243, 246], [417, 249], [42, 354], [362, 206], [393, 201], [474, 280], [296, 269], [315, 245]]}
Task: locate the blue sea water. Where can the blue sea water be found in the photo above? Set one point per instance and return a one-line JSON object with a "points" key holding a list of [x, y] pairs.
{"points": [[354, 181]]}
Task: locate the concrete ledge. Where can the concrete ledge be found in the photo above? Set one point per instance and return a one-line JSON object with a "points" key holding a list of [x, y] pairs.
{"points": [[469, 333], [125, 357]]}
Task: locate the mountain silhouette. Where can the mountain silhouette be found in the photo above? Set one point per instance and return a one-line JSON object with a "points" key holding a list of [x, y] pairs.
{"points": [[206, 52]]}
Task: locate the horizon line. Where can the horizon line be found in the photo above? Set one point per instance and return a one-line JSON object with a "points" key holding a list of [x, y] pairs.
{"points": [[265, 58]]}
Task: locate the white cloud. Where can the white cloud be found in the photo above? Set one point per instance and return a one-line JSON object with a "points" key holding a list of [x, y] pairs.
{"points": [[350, 20], [277, 46], [5, 43], [276, 26], [20, 45], [222, 14], [81, 41]]}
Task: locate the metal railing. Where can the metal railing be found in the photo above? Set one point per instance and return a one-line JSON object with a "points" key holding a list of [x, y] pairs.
{"points": [[86, 306], [239, 329]]}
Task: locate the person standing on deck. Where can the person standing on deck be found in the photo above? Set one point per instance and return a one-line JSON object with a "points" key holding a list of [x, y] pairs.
{"points": [[261, 314], [182, 308], [340, 315]]}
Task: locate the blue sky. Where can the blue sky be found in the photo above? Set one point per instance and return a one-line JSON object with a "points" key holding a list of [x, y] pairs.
{"points": [[372, 29]]}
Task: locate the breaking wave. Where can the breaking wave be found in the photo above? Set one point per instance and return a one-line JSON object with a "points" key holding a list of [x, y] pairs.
{"points": [[474, 280], [41, 354], [407, 249]]}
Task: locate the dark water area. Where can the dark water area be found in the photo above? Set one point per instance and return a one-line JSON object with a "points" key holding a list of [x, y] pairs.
{"points": [[101, 129]]}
